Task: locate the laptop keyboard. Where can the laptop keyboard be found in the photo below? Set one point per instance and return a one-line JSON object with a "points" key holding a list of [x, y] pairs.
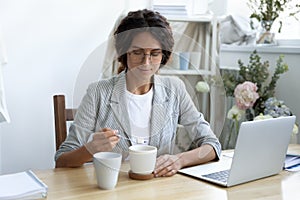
{"points": [[220, 176]]}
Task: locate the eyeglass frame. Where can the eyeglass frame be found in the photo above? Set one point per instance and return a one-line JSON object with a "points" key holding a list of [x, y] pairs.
{"points": [[143, 55]]}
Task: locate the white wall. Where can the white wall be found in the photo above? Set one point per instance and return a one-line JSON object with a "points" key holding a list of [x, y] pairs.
{"points": [[46, 42], [218, 7]]}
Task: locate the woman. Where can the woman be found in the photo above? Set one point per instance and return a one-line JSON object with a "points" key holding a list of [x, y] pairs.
{"points": [[137, 106]]}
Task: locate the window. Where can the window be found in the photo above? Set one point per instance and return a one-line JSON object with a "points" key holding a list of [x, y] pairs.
{"points": [[290, 28]]}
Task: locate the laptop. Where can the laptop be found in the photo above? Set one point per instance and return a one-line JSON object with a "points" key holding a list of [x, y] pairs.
{"points": [[260, 152]]}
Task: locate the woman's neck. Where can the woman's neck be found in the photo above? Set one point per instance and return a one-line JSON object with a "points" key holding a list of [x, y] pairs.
{"points": [[138, 86]]}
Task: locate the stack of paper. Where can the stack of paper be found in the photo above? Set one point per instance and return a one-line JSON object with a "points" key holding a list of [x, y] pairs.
{"points": [[171, 7], [292, 162], [22, 185]]}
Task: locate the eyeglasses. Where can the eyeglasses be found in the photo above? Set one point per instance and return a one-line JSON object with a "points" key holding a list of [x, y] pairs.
{"points": [[138, 56]]}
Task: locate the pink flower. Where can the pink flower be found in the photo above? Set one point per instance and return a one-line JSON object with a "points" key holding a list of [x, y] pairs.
{"points": [[245, 95]]}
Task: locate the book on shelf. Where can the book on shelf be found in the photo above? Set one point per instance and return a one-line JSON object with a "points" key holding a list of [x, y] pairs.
{"points": [[22, 185], [180, 7], [175, 7]]}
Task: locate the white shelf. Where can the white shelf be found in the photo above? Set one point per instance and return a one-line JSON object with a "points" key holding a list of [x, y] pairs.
{"points": [[184, 72], [261, 48], [194, 18], [229, 67]]}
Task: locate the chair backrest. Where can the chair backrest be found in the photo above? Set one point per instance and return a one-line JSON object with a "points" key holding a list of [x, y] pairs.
{"points": [[61, 116]]}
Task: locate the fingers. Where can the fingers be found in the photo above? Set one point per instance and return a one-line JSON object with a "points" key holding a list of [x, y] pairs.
{"points": [[104, 140], [166, 165], [170, 173], [112, 137], [162, 162], [166, 172], [108, 132]]}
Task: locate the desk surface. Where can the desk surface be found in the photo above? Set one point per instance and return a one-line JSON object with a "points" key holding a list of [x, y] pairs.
{"points": [[80, 183]]}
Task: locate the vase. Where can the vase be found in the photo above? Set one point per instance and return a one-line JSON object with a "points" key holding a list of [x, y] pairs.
{"points": [[266, 36], [229, 134], [230, 129]]}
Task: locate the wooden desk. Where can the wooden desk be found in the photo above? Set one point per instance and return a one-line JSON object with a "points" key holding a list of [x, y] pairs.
{"points": [[80, 183]]}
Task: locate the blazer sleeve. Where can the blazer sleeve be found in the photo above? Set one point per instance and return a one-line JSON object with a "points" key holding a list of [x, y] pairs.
{"points": [[82, 128], [194, 122]]}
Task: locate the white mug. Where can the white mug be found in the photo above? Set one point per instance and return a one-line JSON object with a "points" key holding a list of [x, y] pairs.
{"points": [[142, 158], [107, 167]]}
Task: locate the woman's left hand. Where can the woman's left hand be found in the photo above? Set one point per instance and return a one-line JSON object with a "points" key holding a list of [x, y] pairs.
{"points": [[167, 165]]}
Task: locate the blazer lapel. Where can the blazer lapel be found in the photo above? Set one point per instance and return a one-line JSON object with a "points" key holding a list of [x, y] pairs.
{"points": [[118, 104], [159, 111]]}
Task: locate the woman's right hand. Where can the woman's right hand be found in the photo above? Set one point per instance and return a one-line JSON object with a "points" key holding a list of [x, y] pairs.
{"points": [[104, 140]]}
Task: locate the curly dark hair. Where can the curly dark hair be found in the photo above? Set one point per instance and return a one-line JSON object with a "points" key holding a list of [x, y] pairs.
{"points": [[143, 21]]}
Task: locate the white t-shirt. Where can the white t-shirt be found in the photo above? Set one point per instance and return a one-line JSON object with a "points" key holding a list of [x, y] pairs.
{"points": [[139, 109]]}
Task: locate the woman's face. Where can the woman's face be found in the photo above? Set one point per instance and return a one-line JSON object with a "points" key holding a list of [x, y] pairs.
{"points": [[144, 56]]}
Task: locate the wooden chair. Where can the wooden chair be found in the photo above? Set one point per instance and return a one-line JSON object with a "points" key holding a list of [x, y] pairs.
{"points": [[61, 116]]}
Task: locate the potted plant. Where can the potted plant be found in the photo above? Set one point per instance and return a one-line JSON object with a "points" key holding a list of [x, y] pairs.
{"points": [[251, 95], [267, 11]]}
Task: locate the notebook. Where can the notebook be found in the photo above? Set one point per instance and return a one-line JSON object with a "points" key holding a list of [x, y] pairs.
{"points": [[260, 152], [22, 185]]}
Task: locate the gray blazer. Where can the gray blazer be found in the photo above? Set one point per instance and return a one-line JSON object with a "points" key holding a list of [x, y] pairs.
{"points": [[104, 105]]}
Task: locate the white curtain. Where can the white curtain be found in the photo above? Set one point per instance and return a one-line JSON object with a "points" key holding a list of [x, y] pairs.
{"points": [[4, 117]]}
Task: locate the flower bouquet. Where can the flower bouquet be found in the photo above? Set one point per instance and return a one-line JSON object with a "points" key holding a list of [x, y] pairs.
{"points": [[252, 93]]}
